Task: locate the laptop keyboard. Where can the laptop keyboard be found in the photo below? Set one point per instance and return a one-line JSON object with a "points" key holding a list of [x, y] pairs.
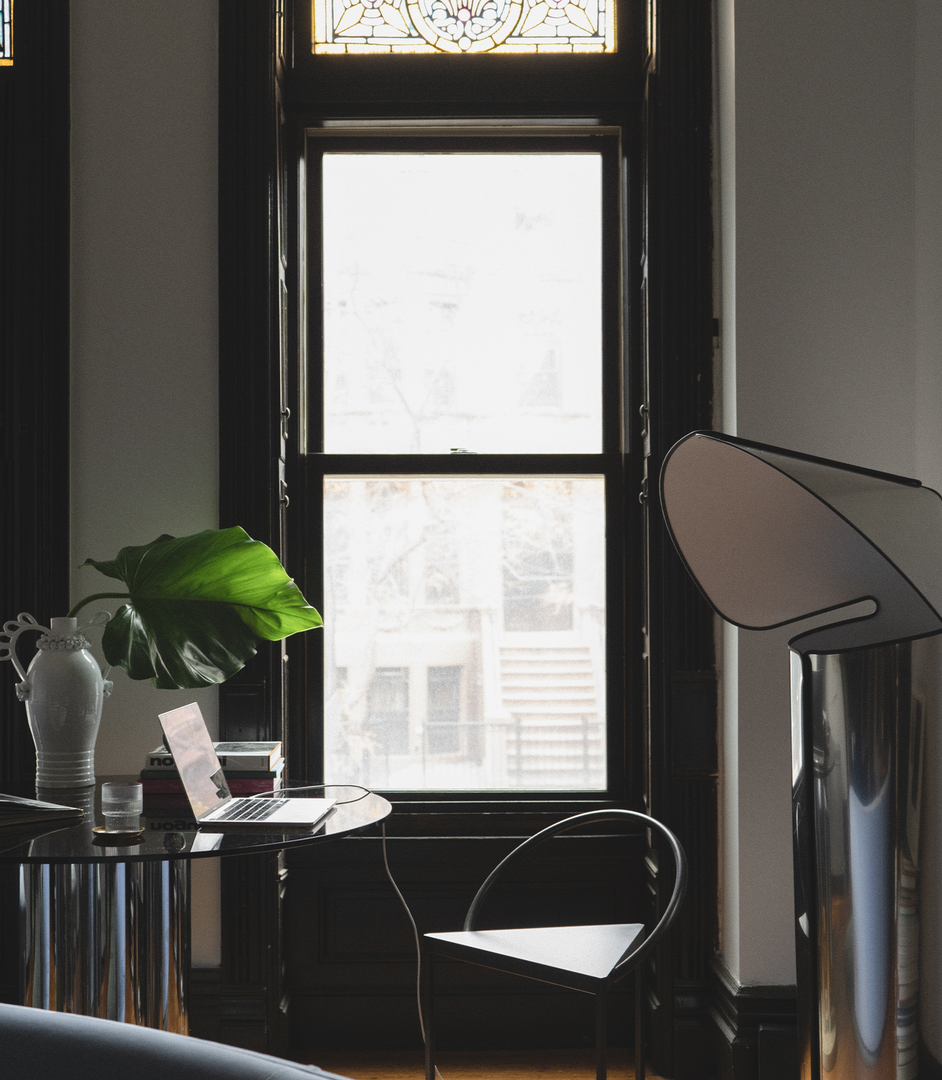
{"points": [[251, 809]]}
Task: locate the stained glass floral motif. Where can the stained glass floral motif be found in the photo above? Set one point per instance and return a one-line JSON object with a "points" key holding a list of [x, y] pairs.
{"points": [[463, 26], [6, 33]]}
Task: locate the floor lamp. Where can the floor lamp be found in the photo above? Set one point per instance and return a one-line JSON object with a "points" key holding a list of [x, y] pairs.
{"points": [[772, 537]]}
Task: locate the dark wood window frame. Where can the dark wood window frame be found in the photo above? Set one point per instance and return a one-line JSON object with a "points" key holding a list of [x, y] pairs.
{"points": [[613, 463], [668, 280], [606, 90]]}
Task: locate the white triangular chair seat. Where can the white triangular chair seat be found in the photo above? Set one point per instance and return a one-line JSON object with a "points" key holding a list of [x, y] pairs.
{"points": [[586, 950], [581, 958]]}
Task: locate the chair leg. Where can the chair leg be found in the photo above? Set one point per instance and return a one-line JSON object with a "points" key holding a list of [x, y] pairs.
{"points": [[639, 1035], [601, 1035], [429, 1018]]}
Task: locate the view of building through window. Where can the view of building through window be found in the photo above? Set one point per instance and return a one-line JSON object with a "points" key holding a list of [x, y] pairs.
{"points": [[465, 632], [463, 26], [462, 303], [464, 614]]}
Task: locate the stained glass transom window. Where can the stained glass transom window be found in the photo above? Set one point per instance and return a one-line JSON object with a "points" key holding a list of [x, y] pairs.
{"points": [[463, 26], [6, 33]]}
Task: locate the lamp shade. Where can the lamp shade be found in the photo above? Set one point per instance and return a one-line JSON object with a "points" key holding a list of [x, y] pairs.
{"points": [[772, 536]]}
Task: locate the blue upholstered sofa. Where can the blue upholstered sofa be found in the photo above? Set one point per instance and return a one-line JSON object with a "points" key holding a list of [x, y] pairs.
{"points": [[39, 1045]]}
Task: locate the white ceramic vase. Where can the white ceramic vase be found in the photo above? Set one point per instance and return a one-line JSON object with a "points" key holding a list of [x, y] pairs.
{"points": [[63, 689]]}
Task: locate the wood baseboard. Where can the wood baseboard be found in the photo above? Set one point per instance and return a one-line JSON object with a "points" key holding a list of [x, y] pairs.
{"points": [[755, 1028]]}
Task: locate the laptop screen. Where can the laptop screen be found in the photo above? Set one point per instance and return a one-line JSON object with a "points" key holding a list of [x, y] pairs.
{"points": [[188, 740]]}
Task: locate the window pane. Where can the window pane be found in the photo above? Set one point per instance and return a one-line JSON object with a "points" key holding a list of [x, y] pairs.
{"points": [[387, 704], [478, 669], [444, 709], [6, 32], [463, 26], [462, 303]]}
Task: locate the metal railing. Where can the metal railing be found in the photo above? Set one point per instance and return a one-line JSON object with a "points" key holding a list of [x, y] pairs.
{"points": [[516, 726]]}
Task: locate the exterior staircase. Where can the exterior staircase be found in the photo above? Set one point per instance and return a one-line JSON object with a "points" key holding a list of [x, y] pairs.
{"points": [[557, 740]]}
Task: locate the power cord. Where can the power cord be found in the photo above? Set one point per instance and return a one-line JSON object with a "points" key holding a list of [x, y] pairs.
{"points": [[392, 881], [280, 793], [418, 945]]}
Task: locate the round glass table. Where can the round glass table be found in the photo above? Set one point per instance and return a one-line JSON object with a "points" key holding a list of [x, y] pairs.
{"points": [[105, 921]]}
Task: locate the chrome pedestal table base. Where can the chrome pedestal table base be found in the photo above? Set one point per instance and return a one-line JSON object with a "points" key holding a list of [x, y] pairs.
{"points": [[108, 940], [104, 926]]}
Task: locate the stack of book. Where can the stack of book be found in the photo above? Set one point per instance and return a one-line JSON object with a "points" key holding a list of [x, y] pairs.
{"points": [[249, 767]]}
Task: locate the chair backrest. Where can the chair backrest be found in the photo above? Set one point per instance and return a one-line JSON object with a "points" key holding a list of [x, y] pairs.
{"points": [[646, 943]]}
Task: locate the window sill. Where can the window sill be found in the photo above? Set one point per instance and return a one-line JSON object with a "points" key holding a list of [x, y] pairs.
{"points": [[485, 818]]}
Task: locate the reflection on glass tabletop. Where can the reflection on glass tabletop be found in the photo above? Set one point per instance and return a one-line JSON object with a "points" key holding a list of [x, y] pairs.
{"points": [[173, 834]]}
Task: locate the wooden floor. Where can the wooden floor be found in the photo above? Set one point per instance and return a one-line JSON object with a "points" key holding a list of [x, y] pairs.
{"points": [[482, 1065]]}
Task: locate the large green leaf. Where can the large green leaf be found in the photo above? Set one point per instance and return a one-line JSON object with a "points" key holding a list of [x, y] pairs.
{"points": [[198, 606]]}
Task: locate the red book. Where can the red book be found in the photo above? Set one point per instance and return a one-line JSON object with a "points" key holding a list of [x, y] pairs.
{"points": [[168, 793], [166, 802], [237, 785]]}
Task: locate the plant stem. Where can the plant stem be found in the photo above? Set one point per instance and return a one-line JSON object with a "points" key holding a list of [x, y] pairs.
{"points": [[97, 596]]}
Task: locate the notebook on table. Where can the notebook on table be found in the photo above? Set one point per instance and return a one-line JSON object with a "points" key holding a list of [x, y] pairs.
{"points": [[187, 738]]}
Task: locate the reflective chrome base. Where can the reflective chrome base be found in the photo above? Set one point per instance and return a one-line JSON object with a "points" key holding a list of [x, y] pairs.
{"points": [[868, 833], [108, 940]]}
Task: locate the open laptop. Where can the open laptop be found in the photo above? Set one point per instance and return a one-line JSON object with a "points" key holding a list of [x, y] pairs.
{"points": [[201, 774]]}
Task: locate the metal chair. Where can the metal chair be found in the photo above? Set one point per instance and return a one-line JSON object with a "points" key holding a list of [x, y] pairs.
{"points": [[586, 958]]}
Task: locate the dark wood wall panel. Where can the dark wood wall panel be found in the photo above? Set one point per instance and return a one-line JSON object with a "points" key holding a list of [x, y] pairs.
{"points": [[677, 297], [242, 1002], [352, 967], [34, 370], [34, 337]]}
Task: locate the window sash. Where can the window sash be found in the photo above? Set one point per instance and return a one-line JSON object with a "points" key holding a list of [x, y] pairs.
{"points": [[513, 139], [621, 518], [462, 299], [525, 624]]}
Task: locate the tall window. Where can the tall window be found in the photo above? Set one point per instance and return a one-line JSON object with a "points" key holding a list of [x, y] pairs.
{"points": [[465, 451], [465, 502], [655, 202], [6, 33]]}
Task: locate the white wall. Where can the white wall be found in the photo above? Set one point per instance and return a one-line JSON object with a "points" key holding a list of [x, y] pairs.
{"points": [[144, 309], [927, 105], [144, 317], [830, 148]]}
